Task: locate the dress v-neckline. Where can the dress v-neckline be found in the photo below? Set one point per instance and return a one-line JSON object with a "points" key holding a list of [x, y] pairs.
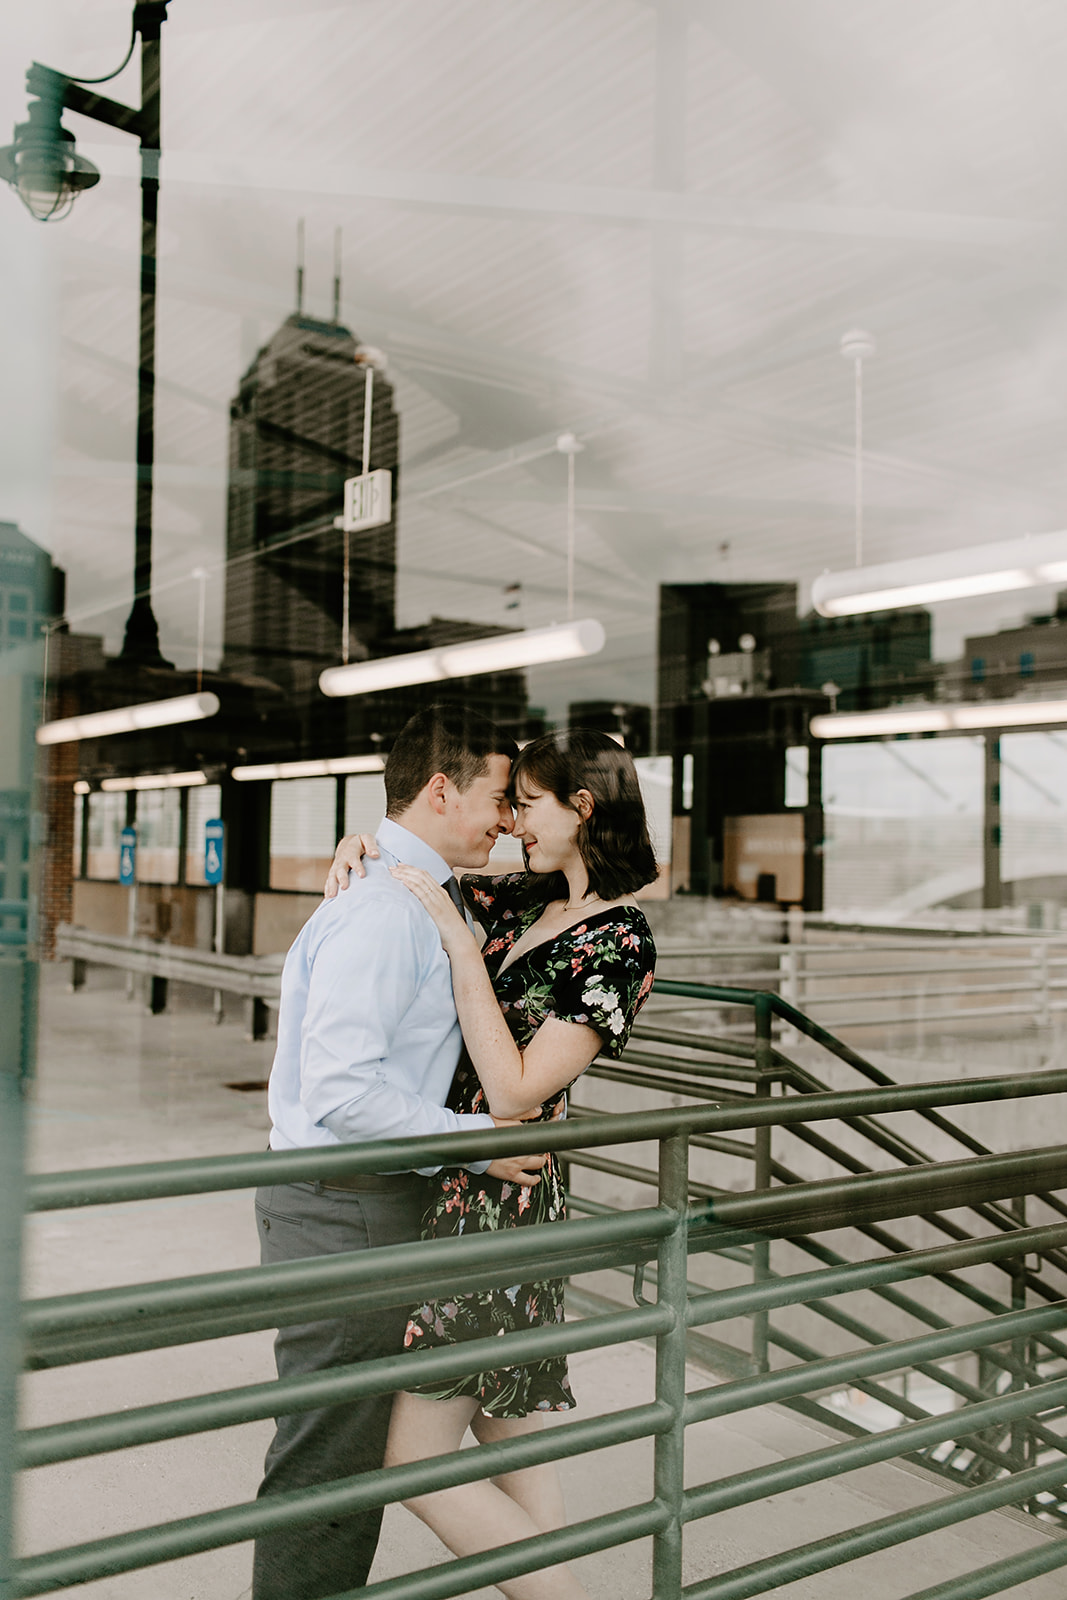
{"points": [[553, 938]]}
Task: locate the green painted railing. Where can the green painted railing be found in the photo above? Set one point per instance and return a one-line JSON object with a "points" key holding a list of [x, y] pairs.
{"points": [[656, 1243]]}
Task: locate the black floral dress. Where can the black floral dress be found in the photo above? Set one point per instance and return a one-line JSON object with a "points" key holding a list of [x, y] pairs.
{"points": [[598, 972]]}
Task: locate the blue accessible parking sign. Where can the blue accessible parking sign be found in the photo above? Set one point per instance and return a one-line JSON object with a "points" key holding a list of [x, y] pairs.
{"points": [[127, 855], [214, 835]]}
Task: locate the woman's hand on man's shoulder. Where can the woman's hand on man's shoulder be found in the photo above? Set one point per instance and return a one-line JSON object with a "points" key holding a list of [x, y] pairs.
{"points": [[348, 857]]}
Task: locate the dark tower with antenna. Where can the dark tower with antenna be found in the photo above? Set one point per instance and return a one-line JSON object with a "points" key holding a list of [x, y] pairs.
{"points": [[296, 434]]}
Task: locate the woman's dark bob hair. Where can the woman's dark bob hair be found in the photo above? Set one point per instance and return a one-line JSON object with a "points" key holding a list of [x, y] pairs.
{"points": [[613, 840]]}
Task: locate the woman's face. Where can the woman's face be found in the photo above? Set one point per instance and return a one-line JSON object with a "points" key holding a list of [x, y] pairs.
{"points": [[547, 830]]}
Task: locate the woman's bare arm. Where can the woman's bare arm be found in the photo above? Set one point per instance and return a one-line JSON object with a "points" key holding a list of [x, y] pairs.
{"points": [[513, 1079]]}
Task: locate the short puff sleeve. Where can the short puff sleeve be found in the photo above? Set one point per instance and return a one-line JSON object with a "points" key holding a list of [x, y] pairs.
{"points": [[611, 974]]}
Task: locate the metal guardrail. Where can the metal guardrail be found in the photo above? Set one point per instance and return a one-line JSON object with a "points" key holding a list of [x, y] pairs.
{"points": [[255, 978], [694, 1076], [904, 982], [1006, 977], [656, 1242]]}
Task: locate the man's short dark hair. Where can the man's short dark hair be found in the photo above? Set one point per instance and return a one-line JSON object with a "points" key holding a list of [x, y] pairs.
{"points": [[451, 739]]}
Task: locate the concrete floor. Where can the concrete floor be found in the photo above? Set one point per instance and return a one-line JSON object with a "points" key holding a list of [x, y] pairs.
{"points": [[117, 1085]]}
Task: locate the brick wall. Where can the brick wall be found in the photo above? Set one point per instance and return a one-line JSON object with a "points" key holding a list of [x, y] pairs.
{"points": [[57, 772]]}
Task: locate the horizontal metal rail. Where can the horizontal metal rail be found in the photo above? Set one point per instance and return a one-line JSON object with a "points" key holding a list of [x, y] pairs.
{"points": [[158, 1180], [782, 1476], [799, 1288], [855, 984], [246, 975], [175, 1419], [1000, 1575], [169, 1541], [152, 1316], [850, 1545], [98, 1323], [896, 1355]]}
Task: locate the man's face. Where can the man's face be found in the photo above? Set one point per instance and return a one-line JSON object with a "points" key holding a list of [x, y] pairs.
{"points": [[476, 816]]}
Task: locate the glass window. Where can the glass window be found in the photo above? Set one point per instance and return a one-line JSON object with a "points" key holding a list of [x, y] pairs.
{"points": [[107, 818], [364, 802], [205, 804], [903, 824], [1033, 822], [796, 775], [303, 832], [158, 831]]}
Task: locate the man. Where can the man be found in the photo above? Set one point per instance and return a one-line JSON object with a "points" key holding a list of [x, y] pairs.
{"points": [[368, 1041]]}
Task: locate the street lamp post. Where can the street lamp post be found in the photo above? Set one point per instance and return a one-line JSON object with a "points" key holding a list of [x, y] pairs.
{"points": [[44, 169]]}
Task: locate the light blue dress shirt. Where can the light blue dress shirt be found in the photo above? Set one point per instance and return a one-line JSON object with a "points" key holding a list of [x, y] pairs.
{"points": [[368, 1038]]}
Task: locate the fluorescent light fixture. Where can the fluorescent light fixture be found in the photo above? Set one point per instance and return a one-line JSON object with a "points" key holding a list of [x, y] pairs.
{"points": [[970, 716], [953, 575], [501, 652], [153, 780], [127, 719], [331, 768]]}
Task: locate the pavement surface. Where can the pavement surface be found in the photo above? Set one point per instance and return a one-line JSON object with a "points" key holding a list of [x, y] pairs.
{"points": [[116, 1086]]}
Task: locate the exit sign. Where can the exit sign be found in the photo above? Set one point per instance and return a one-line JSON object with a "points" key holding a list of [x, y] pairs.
{"points": [[368, 501]]}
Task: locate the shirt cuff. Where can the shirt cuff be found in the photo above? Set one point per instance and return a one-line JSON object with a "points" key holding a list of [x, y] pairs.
{"points": [[473, 1120], [467, 1122]]}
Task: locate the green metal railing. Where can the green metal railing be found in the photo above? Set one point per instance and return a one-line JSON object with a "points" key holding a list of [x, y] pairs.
{"points": [[761, 1063], [658, 1243]]}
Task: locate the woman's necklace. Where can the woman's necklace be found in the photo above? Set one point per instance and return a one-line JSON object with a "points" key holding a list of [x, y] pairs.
{"points": [[581, 906]]}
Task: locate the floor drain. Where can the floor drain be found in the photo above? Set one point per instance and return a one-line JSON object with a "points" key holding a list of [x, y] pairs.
{"points": [[249, 1087]]}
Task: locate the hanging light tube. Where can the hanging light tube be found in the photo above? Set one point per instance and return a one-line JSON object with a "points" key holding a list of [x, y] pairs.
{"points": [[499, 653], [952, 575], [332, 767], [972, 716], [153, 780], [128, 719]]}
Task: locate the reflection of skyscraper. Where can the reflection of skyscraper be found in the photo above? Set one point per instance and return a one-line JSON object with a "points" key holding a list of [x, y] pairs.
{"points": [[296, 433], [31, 595], [31, 588]]}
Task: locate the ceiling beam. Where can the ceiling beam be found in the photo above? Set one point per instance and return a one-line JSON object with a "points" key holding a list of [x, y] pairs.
{"points": [[460, 192]]}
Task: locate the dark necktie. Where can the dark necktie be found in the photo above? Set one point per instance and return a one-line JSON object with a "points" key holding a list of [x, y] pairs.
{"points": [[452, 888]]}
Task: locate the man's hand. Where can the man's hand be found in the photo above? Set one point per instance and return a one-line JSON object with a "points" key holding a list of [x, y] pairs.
{"points": [[524, 1170], [348, 857]]}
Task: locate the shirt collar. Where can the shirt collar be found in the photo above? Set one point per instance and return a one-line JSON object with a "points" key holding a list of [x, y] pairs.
{"points": [[406, 846]]}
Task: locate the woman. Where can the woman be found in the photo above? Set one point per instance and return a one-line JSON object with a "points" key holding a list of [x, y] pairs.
{"points": [[567, 963]]}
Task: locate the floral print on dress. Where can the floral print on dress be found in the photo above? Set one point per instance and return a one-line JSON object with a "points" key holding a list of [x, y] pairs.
{"points": [[598, 972]]}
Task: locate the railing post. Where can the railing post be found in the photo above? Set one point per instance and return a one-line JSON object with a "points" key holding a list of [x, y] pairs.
{"points": [[20, 810], [761, 1252], [18, 991], [157, 995], [257, 1018], [789, 986], [673, 1266], [1043, 1005], [1022, 1439]]}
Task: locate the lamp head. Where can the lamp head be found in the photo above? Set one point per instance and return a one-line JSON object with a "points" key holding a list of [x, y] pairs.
{"points": [[42, 165], [857, 345]]}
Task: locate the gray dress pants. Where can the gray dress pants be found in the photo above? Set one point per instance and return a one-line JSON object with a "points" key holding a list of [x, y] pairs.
{"points": [[295, 1221]]}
